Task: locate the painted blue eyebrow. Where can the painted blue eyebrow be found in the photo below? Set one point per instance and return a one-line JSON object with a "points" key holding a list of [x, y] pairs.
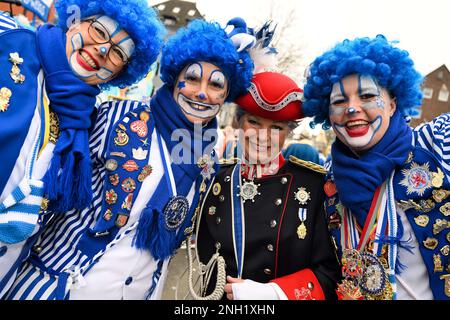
{"points": [[359, 85], [374, 82], [341, 86], [201, 68], [123, 40], [217, 70], [116, 31]]}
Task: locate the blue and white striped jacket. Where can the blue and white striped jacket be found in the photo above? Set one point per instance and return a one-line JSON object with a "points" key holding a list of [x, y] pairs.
{"points": [[57, 263], [21, 197], [6, 22]]}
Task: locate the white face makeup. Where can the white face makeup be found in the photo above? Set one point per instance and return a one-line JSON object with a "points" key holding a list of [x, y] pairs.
{"points": [[360, 111], [200, 91], [95, 62]]}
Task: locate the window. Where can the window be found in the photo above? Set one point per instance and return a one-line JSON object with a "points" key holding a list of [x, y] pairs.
{"points": [[443, 94], [161, 7], [170, 21], [440, 75], [427, 93], [176, 10], [191, 12]]}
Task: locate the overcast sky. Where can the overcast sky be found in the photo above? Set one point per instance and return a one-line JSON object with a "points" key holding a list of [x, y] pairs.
{"points": [[421, 27]]}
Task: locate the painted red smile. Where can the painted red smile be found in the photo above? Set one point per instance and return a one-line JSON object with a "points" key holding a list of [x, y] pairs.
{"points": [[87, 61], [357, 128]]}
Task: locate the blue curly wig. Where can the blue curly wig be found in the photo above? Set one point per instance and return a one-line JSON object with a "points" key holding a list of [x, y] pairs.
{"points": [[390, 66], [137, 18], [206, 41]]}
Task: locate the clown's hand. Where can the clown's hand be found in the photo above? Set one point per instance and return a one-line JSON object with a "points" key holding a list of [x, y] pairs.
{"points": [[239, 289]]}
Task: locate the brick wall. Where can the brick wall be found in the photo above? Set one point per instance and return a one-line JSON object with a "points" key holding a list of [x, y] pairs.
{"points": [[432, 108]]}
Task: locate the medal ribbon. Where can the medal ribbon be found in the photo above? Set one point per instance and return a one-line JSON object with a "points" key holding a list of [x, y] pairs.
{"points": [[371, 219], [238, 221], [350, 237], [302, 214]]}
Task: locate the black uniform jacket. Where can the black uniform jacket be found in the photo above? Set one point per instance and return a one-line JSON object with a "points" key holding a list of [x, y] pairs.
{"points": [[272, 247]]}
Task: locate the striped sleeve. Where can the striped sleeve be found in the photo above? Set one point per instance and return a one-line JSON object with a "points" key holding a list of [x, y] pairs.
{"points": [[435, 137], [6, 22]]}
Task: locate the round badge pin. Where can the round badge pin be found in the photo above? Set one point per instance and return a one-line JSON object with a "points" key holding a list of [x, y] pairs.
{"points": [[128, 185], [216, 189], [175, 212], [111, 165]]}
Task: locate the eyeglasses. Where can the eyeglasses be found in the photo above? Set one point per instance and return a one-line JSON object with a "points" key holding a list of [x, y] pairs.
{"points": [[100, 35]]}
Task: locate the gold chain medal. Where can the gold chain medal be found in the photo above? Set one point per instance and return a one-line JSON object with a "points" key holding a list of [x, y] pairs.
{"points": [[374, 282], [366, 275]]}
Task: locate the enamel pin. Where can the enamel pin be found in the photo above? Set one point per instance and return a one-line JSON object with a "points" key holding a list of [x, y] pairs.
{"points": [[216, 189], [15, 71], [207, 165], [446, 278], [440, 195], [422, 220], [146, 171], [437, 263], [417, 179], [175, 212], [122, 138], [445, 209], [5, 95], [248, 190], [302, 196], [430, 243]]}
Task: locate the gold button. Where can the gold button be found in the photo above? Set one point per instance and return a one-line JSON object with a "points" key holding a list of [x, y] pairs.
{"points": [[273, 223], [284, 180], [218, 220], [270, 247], [222, 198], [268, 271], [278, 202]]}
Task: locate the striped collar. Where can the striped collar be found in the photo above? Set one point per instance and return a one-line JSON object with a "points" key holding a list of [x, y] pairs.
{"points": [[256, 171]]}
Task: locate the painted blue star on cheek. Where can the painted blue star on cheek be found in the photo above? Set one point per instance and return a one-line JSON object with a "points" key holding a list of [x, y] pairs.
{"points": [[181, 84]]}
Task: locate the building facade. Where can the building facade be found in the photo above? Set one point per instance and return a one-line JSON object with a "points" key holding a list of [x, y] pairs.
{"points": [[436, 99]]}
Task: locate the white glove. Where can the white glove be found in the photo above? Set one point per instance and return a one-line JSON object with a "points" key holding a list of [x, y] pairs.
{"points": [[252, 290]]}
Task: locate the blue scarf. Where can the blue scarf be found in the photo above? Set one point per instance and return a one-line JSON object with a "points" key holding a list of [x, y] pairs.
{"points": [[73, 101], [357, 177], [152, 233]]}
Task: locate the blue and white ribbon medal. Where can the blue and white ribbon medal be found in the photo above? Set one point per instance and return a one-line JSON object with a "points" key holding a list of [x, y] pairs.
{"points": [[301, 230], [302, 196]]}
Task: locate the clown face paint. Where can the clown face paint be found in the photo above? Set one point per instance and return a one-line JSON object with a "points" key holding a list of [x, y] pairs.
{"points": [[200, 91], [360, 111], [95, 62], [262, 139]]}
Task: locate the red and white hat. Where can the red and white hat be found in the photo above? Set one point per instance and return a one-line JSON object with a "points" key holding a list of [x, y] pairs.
{"points": [[273, 96]]}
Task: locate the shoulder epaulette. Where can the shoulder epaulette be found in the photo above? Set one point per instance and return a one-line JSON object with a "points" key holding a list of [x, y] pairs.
{"points": [[228, 161], [308, 164]]}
